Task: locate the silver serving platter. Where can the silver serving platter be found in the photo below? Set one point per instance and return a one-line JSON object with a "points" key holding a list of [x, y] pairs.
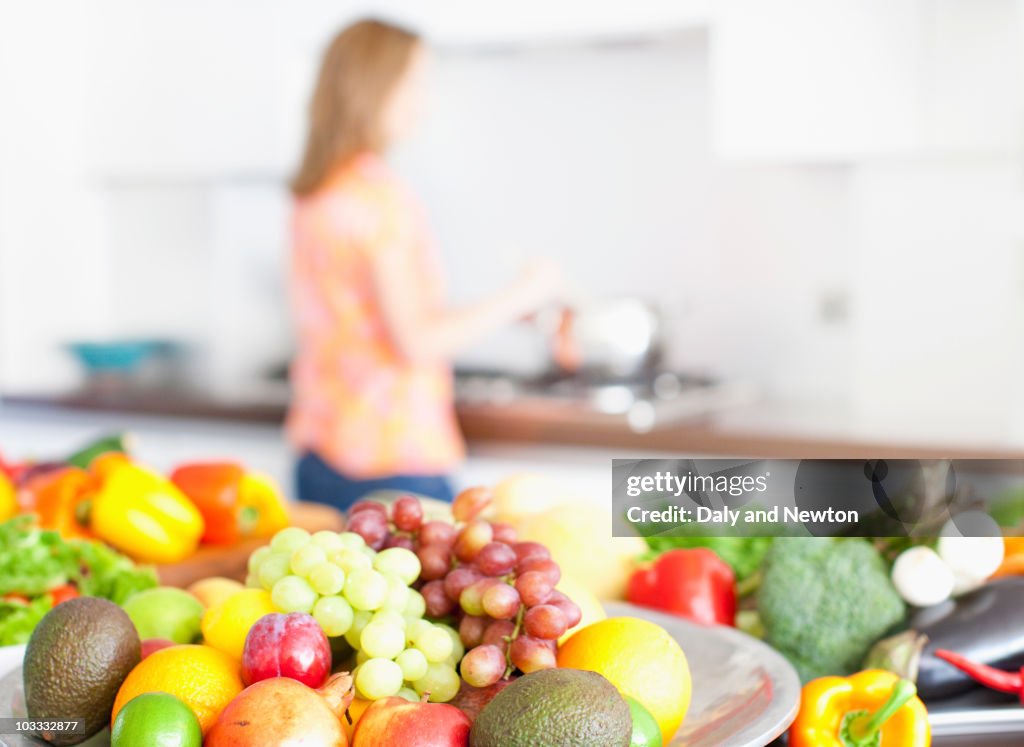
{"points": [[745, 694]]}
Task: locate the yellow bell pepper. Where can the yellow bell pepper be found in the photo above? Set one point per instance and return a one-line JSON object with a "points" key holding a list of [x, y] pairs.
{"points": [[8, 498], [260, 497], [143, 514], [873, 708]]}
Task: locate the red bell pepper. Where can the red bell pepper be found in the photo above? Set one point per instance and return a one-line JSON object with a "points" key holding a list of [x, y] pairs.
{"points": [[692, 583], [14, 471], [63, 593], [235, 504]]}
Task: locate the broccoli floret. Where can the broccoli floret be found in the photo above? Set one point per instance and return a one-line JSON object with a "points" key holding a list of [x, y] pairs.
{"points": [[824, 602]]}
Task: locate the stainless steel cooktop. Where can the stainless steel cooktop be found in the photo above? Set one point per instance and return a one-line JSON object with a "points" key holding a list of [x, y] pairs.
{"points": [[645, 402]]}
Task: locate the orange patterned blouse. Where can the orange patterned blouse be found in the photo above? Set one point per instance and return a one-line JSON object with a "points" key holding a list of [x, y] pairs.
{"points": [[357, 404]]}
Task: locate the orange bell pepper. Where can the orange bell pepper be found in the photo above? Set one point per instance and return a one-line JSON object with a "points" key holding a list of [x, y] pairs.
{"points": [[235, 504], [873, 708], [58, 499]]}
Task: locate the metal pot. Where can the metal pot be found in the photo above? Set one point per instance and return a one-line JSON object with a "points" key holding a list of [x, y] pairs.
{"points": [[615, 338]]}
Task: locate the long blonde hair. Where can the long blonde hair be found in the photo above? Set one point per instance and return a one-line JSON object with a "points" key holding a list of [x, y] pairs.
{"points": [[359, 71]]}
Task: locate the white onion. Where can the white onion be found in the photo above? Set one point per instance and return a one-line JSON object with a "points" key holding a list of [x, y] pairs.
{"points": [[974, 558], [921, 577]]}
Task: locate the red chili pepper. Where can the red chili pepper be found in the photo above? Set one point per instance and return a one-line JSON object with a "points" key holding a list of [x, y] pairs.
{"points": [[692, 583], [990, 677], [62, 594]]}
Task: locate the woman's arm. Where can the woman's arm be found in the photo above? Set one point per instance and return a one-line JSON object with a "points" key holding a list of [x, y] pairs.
{"points": [[421, 331]]}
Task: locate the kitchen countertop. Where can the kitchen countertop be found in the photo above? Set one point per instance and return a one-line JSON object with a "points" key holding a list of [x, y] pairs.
{"points": [[793, 430], [765, 429]]}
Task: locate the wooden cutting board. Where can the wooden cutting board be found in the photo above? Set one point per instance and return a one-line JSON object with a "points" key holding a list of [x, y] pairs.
{"points": [[231, 562]]}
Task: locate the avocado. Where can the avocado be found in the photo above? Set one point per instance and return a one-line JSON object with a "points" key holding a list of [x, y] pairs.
{"points": [[75, 661], [555, 708]]}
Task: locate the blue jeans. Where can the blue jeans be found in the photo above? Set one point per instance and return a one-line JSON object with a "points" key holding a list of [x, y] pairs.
{"points": [[318, 482]]}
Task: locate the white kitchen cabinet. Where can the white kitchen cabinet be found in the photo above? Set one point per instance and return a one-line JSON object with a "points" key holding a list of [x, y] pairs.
{"points": [[802, 79]]}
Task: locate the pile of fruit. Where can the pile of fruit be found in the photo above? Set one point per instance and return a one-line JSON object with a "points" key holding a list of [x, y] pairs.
{"points": [[498, 594], [403, 629]]}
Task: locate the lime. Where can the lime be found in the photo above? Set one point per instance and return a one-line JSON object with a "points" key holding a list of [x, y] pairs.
{"points": [[156, 720], [645, 729], [165, 612]]}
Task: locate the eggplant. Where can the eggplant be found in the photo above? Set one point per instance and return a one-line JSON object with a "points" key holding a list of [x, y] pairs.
{"points": [[986, 626]]}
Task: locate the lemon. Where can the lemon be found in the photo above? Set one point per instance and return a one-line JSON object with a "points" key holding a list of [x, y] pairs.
{"points": [[225, 625], [579, 536], [589, 605], [214, 590], [641, 659], [519, 496]]}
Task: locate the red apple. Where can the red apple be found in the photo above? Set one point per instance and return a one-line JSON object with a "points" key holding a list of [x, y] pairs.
{"points": [[292, 645], [152, 645], [393, 721]]}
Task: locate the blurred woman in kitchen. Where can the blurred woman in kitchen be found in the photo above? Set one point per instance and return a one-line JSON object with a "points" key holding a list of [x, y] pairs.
{"points": [[373, 403]]}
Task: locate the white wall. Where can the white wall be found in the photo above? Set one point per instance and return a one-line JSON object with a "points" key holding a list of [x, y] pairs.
{"points": [[939, 289], [53, 248], [597, 155], [141, 183]]}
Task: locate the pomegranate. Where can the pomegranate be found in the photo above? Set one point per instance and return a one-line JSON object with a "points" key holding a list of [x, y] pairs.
{"points": [[281, 710]]}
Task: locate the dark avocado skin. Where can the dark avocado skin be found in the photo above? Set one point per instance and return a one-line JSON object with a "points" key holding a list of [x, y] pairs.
{"points": [[555, 708], [75, 661]]}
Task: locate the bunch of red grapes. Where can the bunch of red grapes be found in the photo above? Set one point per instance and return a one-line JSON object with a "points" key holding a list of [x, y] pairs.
{"points": [[500, 592]]}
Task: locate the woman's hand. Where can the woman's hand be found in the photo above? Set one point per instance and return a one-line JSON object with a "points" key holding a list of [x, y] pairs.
{"points": [[540, 283], [423, 332]]}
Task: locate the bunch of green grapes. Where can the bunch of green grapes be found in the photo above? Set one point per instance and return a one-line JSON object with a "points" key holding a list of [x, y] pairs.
{"points": [[364, 595]]}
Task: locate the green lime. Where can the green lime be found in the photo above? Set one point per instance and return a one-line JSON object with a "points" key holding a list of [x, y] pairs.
{"points": [[646, 732], [165, 612], [156, 720]]}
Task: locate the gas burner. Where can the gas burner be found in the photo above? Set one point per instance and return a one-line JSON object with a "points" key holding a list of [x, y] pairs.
{"points": [[642, 402]]}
